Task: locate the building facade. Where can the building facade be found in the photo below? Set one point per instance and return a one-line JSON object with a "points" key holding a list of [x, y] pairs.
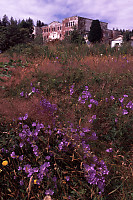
{"points": [[58, 30]]}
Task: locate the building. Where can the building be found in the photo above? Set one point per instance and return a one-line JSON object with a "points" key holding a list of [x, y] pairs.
{"points": [[117, 41], [58, 30], [37, 31]]}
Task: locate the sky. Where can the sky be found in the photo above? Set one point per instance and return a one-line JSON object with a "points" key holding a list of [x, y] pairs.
{"points": [[117, 13]]}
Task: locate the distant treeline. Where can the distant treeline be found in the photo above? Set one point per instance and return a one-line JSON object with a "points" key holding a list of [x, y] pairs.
{"points": [[13, 32]]}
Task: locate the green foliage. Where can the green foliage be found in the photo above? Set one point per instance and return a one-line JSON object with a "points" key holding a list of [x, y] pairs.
{"points": [[111, 126], [127, 35], [74, 37], [95, 34], [39, 23], [13, 32]]}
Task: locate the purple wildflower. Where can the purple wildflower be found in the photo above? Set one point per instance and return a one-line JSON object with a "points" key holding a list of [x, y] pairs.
{"points": [[22, 94], [124, 112], [93, 136], [27, 168], [47, 157], [125, 95], [54, 179], [112, 97], [33, 90], [25, 117], [67, 178], [90, 105], [71, 89], [21, 182], [21, 157], [116, 120], [49, 192], [21, 144], [94, 101], [82, 134], [130, 105], [34, 124], [109, 150], [13, 155], [19, 168], [121, 100]]}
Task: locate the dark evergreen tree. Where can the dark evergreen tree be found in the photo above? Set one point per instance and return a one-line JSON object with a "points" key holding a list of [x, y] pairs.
{"points": [[4, 44], [39, 23], [13, 32], [5, 21], [95, 34]]}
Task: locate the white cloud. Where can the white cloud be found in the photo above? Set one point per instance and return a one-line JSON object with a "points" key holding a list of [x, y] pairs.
{"points": [[117, 12]]}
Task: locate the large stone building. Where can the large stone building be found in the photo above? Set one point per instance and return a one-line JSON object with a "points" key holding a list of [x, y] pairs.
{"points": [[58, 30]]}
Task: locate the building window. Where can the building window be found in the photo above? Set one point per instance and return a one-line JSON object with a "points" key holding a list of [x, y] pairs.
{"points": [[71, 24], [60, 27], [49, 29], [66, 24], [60, 35], [44, 30], [47, 36], [54, 28]]}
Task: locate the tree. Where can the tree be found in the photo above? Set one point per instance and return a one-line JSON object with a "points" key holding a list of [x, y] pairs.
{"points": [[5, 21], [95, 34], [74, 37], [39, 23]]}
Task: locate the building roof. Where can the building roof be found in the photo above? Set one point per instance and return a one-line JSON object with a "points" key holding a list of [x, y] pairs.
{"points": [[118, 38]]}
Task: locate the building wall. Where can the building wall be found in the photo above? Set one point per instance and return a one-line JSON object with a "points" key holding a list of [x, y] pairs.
{"points": [[57, 30], [37, 31], [68, 25], [52, 31]]}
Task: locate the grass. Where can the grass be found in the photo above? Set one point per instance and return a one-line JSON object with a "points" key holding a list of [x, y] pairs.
{"points": [[50, 149]]}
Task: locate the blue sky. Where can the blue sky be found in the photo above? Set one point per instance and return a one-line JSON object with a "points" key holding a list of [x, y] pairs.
{"points": [[117, 13]]}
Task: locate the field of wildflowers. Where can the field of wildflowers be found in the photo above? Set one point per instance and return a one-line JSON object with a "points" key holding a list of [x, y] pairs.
{"points": [[66, 123]]}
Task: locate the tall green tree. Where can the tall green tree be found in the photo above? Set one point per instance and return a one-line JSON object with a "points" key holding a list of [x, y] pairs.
{"points": [[13, 32], [39, 23], [5, 21], [95, 34]]}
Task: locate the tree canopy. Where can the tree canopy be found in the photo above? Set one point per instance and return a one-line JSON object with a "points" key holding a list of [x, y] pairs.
{"points": [[13, 32], [95, 34]]}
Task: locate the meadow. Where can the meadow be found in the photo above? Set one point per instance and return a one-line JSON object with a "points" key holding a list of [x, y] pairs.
{"points": [[66, 122]]}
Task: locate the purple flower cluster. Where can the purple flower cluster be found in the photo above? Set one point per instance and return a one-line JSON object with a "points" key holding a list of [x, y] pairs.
{"points": [[43, 171], [29, 170], [40, 171], [49, 192], [94, 173], [48, 107], [130, 105], [30, 136], [84, 97], [92, 118], [34, 90], [71, 90]]}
